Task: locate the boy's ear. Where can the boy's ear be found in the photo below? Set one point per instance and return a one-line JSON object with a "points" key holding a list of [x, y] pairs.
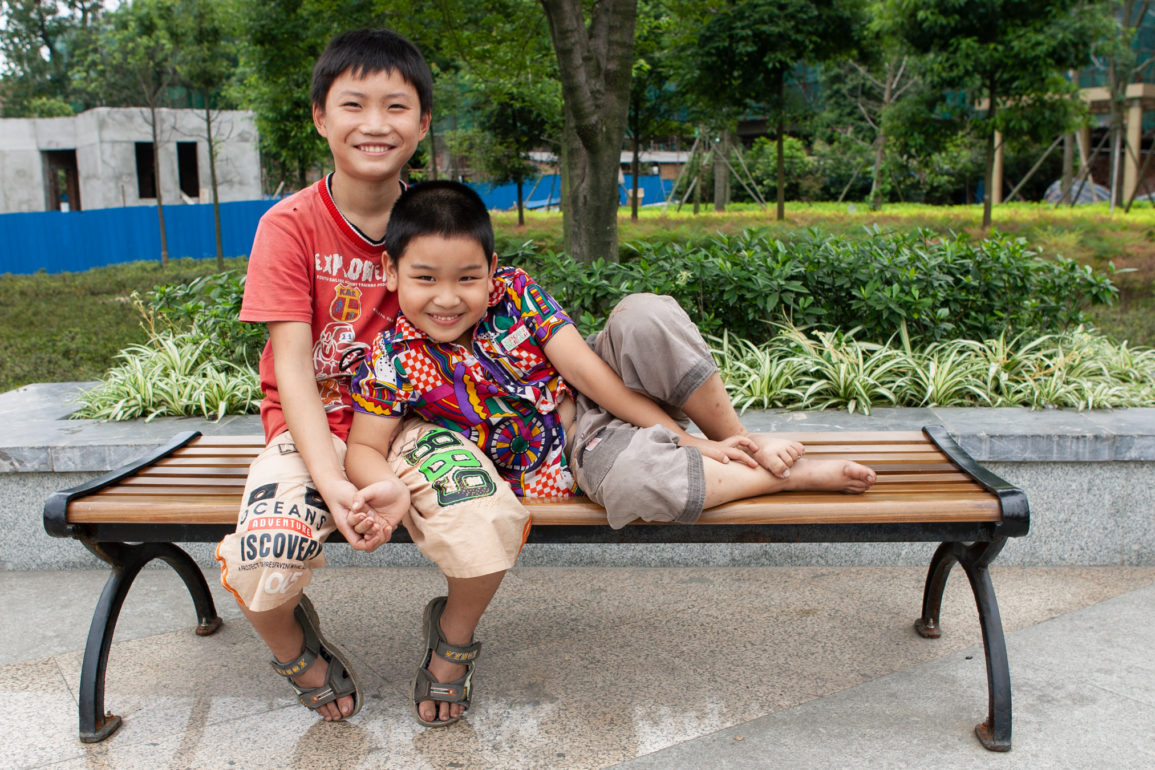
{"points": [[319, 119], [390, 271], [492, 270]]}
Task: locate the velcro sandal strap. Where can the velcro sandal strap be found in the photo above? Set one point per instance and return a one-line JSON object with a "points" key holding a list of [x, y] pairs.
{"points": [[462, 655], [298, 665], [425, 687]]}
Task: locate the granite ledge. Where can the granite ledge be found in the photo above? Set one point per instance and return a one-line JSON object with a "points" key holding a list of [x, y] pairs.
{"points": [[40, 439]]}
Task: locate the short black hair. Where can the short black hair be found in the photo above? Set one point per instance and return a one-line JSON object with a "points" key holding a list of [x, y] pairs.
{"points": [[367, 51], [445, 208]]}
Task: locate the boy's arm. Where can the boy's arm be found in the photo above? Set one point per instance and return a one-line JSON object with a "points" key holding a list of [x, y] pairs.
{"points": [[368, 467], [292, 343], [593, 378]]}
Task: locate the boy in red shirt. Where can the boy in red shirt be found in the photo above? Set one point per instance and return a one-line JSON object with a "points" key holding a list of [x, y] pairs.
{"points": [[315, 277]]}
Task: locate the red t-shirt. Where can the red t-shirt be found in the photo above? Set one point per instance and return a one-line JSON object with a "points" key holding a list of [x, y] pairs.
{"points": [[309, 264]]}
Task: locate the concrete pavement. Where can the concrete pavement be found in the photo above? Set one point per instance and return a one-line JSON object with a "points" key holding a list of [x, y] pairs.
{"points": [[694, 667]]}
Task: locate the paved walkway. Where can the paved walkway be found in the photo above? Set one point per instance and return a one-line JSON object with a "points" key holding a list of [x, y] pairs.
{"points": [[709, 667]]}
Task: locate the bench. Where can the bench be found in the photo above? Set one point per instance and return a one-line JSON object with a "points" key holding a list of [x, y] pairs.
{"points": [[928, 490]]}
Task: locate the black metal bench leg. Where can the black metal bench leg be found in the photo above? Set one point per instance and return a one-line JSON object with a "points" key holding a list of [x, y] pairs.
{"points": [[127, 561], [940, 565], [995, 732]]}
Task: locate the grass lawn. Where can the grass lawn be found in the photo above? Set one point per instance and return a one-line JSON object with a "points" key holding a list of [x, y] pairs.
{"points": [[70, 326]]}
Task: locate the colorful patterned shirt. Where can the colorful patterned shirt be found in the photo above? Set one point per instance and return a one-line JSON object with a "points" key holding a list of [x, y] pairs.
{"points": [[502, 395]]}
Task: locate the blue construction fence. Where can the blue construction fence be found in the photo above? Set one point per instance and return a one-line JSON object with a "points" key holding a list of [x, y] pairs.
{"points": [[74, 241]]}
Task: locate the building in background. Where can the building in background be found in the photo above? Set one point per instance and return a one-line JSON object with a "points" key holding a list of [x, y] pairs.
{"points": [[102, 158]]}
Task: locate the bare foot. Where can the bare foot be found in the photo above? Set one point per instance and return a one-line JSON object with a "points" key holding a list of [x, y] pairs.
{"points": [[314, 676], [440, 711], [810, 474]]}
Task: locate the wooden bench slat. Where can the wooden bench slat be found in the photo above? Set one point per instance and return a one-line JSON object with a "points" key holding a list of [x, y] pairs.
{"points": [[871, 437], [194, 470], [866, 450], [220, 480], [207, 461], [899, 506]]}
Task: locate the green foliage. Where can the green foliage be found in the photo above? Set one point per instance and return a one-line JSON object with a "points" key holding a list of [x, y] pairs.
{"points": [[1011, 53], [932, 288], [40, 49], [133, 64], [283, 40], [206, 310], [1077, 369], [48, 107], [171, 375], [70, 326], [803, 174], [200, 359]]}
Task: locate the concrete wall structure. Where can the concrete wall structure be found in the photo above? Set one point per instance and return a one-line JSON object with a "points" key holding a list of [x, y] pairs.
{"points": [[100, 145]]}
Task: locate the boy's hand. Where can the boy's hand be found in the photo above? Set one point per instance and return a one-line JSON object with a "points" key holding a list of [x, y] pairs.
{"points": [[380, 507], [740, 448], [777, 455], [339, 496]]}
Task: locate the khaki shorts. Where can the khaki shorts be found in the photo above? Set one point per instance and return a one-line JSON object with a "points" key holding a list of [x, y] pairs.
{"points": [[463, 516], [642, 473]]}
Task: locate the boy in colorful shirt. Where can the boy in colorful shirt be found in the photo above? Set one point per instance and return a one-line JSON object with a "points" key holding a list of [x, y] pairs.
{"points": [[485, 351]]}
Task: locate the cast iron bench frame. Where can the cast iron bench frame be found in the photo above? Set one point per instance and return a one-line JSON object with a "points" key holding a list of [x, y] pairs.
{"points": [[929, 490]]}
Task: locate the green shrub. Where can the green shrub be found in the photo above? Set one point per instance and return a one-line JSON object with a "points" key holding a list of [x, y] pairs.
{"points": [[932, 287], [207, 309], [1077, 369], [171, 375]]}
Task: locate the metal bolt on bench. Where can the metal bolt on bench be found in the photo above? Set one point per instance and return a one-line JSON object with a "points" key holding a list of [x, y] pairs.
{"points": [[928, 490]]}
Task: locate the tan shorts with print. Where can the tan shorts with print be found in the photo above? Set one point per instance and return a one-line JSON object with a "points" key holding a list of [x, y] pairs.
{"points": [[643, 473], [463, 516]]}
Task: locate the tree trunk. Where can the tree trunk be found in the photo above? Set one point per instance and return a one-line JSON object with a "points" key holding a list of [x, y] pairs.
{"points": [[213, 183], [635, 168], [590, 200], [722, 172], [520, 201], [156, 180], [989, 194], [698, 172], [594, 64], [1068, 168], [636, 146], [892, 77], [781, 100]]}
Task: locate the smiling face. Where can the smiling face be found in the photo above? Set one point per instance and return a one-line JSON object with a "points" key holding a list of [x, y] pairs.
{"points": [[442, 285], [373, 124]]}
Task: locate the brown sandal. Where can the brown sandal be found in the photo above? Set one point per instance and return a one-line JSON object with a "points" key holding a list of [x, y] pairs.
{"points": [[340, 680], [425, 686]]}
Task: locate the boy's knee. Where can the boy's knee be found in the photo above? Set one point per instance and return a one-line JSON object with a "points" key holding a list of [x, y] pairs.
{"points": [[645, 310]]}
